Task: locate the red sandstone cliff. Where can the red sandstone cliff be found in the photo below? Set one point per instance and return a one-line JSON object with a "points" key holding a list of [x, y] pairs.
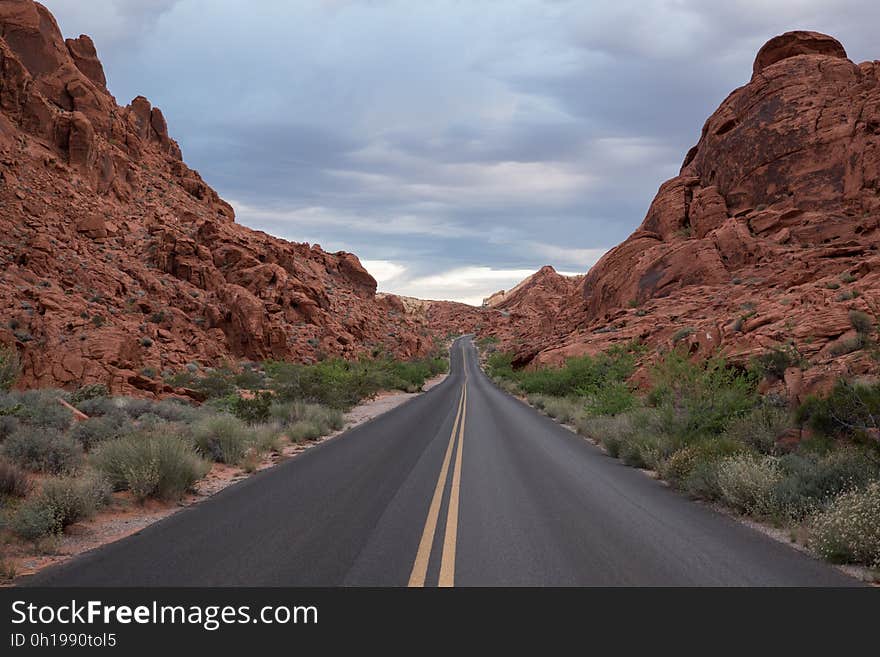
{"points": [[119, 262], [768, 236]]}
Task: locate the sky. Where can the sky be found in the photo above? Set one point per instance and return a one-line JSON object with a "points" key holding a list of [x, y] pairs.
{"points": [[455, 146]]}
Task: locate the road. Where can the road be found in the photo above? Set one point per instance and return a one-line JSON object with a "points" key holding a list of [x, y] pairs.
{"points": [[462, 486]]}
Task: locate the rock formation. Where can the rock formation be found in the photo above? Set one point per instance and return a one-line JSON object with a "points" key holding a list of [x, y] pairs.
{"points": [[768, 236], [120, 263]]}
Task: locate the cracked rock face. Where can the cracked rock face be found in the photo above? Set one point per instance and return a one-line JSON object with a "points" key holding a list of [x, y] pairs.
{"points": [[120, 263], [769, 235]]}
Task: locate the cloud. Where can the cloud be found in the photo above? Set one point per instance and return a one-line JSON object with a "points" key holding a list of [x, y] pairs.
{"points": [[458, 141], [469, 284], [384, 271]]}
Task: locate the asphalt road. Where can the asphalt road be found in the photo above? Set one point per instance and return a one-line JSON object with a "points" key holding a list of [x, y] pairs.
{"points": [[462, 486]]}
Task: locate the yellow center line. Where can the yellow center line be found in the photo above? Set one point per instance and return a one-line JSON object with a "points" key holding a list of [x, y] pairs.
{"points": [[447, 561], [420, 567]]}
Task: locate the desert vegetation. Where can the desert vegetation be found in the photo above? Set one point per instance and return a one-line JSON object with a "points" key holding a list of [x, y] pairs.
{"points": [[704, 427], [57, 469]]}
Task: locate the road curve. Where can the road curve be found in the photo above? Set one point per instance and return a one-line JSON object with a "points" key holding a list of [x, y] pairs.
{"points": [[461, 486]]}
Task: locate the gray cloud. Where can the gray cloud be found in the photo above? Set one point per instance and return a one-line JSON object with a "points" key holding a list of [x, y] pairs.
{"points": [[444, 142]]}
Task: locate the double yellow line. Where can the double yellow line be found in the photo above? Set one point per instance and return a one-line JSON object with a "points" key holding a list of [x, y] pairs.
{"points": [[447, 559]]}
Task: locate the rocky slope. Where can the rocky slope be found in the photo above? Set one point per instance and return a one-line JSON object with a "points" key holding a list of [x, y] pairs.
{"points": [[768, 236], [120, 262]]}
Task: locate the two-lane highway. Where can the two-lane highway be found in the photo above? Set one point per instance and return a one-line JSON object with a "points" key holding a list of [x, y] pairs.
{"points": [[463, 485]]}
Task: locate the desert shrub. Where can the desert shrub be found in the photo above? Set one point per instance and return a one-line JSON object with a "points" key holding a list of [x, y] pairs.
{"points": [[250, 377], [92, 391], [509, 386], [215, 383], [699, 399], [304, 430], [563, 409], [861, 322], [10, 366], [847, 345], [41, 408], [96, 430], [13, 480], [154, 463], [222, 438], [342, 384], [775, 361], [610, 399], [254, 409], [8, 425], [682, 333], [173, 410], [584, 376], [644, 450], [303, 421], [849, 410], [266, 437], [43, 450], [760, 427], [135, 407], [499, 365], [849, 530], [810, 480], [635, 437], [688, 467], [96, 406], [60, 503], [747, 482], [538, 401]]}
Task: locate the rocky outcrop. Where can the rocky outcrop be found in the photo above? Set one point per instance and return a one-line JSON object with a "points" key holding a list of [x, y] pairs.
{"points": [[120, 263], [767, 237]]}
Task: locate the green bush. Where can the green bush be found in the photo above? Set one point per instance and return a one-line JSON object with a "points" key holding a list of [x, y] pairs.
{"points": [[305, 430], [699, 399], [90, 433], [342, 384], [849, 530], [563, 409], [43, 450], [222, 438], [254, 409], [10, 366], [93, 391], [690, 467], [303, 421], [154, 463], [499, 365], [13, 480], [760, 427], [849, 410], [60, 503], [41, 408], [611, 399], [266, 438], [585, 376], [747, 483], [847, 345], [810, 481], [774, 362], [861, 322]]}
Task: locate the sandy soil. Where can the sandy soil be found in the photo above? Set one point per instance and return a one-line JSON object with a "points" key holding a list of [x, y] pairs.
{"points": [[125, 516]]}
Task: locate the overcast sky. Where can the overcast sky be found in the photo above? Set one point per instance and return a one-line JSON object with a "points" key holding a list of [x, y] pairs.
{"points": [[454, 146]]}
